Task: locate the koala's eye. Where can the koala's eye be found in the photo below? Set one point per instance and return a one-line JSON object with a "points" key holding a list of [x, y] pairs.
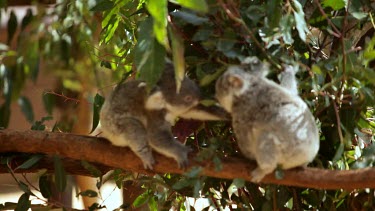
{"points": [[188, 98]]}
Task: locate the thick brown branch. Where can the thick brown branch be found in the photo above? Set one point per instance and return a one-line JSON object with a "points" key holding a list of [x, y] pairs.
{"points": [[100, 151]]}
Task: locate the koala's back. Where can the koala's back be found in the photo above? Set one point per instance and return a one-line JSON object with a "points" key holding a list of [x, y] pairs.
{"points": [[126, 101], [265, 113]]}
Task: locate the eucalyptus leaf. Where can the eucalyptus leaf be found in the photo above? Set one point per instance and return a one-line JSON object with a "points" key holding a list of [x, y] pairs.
{"points": [[97, 105], [30, 162], [197, 5], [88, 193], [178, 58], [45, 186], [4, 115], [339, 153], [91, 168], [149, 55], [12, 26], [194, 172], [141, 199], [26, 108], [60, 174], [27, 19], [334, 4], [24, 202], [299, 17], [273, 12], [102, 5], [190, 17], [158, 10]]}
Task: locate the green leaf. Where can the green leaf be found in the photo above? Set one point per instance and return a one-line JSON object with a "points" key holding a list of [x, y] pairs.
{"points": [[194, 172], [255, 13], [141, 199], [27, 19], [178, 57], [45, 186], [97, 105], [49, 102], [12, 26], [30, 162], [182, 183], [4, 115], [334, 4], [3, 4], [197, 188], [273, 13], [26, 108], [159, 11], [197, 5], [209, 78], [286, 25], [110, 28], [23, 203], [88, 193], [299, 17], [102, 5], [91, 168], [202, 34], [60, 174], [236, 184], [338, 153], [38, 125], [149, 55], [152, 204], [25, 188], [190, 18], [32, 59]]}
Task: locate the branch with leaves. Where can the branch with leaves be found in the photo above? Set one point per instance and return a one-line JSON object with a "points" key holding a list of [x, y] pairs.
{"points": [[98, 150]]}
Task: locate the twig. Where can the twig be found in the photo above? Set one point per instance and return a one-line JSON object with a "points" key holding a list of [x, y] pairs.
{"points": [[66, 98], [336, 32], [235, 17]]}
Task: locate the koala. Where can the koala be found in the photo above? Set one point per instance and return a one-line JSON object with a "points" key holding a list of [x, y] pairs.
{"points": [[272, 124], [132, 116]]}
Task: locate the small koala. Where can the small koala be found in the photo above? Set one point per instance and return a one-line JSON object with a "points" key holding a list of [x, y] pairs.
{"points": [[272, 124], [132, 117]]}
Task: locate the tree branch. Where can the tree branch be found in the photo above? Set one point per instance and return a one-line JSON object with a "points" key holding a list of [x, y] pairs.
{"points": [[98, 150]]}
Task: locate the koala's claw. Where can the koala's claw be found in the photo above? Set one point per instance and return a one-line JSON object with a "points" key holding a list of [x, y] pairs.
{"points": [[148, 163], [182, 159], [257, 175], [183, 164]]}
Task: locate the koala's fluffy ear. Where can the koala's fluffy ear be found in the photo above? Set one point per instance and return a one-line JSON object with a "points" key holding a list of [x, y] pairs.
{"points": [[155, 101], [235, 81]]}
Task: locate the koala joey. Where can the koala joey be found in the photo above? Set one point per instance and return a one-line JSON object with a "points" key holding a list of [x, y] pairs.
{"points": [[132, 117], [272, 124]]}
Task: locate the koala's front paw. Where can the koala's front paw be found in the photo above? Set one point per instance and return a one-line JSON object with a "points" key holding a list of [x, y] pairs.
{"points": [[145, 154], [257, 175], [148, 162], [182, 157]]}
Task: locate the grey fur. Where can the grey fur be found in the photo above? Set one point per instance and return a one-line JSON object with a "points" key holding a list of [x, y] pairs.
{"points": [[132, 117], [273, 125], [126, 121]]}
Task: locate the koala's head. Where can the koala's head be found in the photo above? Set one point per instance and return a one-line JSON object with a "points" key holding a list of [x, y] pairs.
{"points": [[237, 79], [188, 97], [166, 96]]}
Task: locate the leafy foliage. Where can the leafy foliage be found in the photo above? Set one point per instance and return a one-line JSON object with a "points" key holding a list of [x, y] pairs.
{"points": [[332, 44]]}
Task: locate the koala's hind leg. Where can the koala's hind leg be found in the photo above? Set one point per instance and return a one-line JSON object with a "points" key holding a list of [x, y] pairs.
{"points": [[135, 133], [266, 156], [162, 140]]}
